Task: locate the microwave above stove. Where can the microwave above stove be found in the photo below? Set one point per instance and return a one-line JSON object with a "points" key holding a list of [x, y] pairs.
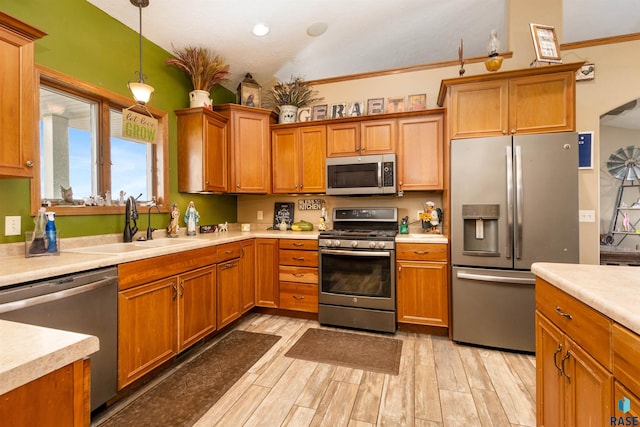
{"points": [[360, 175]]}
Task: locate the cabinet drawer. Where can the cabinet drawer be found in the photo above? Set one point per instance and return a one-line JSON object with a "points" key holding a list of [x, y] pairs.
{"points": [[581, 323], [302, 258], [421, 251], [299, 297], [289, 273], [626, 354], [229, 251], [300, 244]]}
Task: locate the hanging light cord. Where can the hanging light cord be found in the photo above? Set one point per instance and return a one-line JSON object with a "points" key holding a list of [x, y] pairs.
{"points": [[140, 33]]}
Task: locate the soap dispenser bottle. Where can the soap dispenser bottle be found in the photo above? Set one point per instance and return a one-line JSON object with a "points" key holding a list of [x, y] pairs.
{"points": [[51, 232]]}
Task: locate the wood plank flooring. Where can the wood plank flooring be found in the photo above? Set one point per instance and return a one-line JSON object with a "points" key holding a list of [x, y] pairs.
{"points": [[440, 384]]}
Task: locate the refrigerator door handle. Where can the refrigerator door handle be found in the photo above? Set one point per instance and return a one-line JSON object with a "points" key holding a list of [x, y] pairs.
{"points": [[519, 198], [494, 278], [509, 156]]}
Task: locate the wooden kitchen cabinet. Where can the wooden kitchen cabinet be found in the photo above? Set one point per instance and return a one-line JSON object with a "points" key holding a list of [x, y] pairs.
{"points": [[229, 279], [266, 270], [18, 110], [422, 284], [420, 150], [361, 137], [298, 275], [533, 100], [165, 304], [247, 275], [202, 151], [249, 148], [299, 159], [574, 383], [343, 139]]}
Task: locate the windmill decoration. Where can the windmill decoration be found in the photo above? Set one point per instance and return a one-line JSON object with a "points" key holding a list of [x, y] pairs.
{"points": [[624, 164]]}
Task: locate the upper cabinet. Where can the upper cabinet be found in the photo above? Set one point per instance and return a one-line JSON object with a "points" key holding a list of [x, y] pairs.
{"points": [[361, 138], [299, 159], [18, 118], [421, 153], [532, 100], [249, 148]]}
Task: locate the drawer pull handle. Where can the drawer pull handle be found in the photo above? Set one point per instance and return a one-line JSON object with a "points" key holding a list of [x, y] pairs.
{"points": [[298, 297], [555, 358], [227, 252], [566, 357], [563, 314], [298, 274], [420, 252], [298, 258], [298, 244]]}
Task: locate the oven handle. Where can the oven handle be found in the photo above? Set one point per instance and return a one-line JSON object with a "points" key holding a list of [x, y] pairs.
{"points": [[355, 253]]}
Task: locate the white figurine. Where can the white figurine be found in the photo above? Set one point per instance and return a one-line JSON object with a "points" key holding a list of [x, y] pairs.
{"points": [[191, 218]]}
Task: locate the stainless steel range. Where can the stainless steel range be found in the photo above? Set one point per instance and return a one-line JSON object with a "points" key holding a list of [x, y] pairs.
{"points": [[357, 269]]}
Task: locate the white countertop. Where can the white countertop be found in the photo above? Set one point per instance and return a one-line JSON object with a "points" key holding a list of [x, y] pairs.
{"points": [[29, 352], [612, 290]]}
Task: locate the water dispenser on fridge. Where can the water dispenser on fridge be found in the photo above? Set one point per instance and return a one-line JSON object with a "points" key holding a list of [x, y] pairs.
{"points": [[480, 230]]}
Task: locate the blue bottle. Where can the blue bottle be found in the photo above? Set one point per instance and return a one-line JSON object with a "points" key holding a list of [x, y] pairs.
{"points": [[50, 231]]}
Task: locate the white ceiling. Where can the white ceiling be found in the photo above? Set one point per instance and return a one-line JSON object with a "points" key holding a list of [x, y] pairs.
{"points": [[362, 35]]}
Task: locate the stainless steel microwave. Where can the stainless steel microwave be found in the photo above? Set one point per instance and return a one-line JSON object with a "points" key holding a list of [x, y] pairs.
{"points": [[358, 175]]}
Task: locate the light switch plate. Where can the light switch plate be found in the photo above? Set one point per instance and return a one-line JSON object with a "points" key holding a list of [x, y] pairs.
{"points": [[11, 225], [587, 216]]}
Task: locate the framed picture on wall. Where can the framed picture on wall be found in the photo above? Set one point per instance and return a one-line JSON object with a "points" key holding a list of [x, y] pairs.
{"points": [[417, 102], [319, 112], [356, 109], [395, 104], [545, 43], [375, 106]]}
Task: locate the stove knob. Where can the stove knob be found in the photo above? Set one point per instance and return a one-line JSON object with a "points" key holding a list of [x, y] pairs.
{"points": [[372, 245], [354, 244], [336, 243], [381, 245]]}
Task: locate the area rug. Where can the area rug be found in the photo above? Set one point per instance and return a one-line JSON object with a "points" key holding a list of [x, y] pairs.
{"points": [[182, 398], [367, 352]]}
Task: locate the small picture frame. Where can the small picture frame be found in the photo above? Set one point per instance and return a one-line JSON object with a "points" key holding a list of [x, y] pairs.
{"points": [[304, 114], [417, 102], [338, 111], [586, 72], [375, 106], [545, 43], [395, 104], [319, 112], [356, 109]]}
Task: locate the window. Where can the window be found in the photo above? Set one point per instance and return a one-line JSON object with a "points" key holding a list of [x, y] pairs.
{"points": [[86, 164]]}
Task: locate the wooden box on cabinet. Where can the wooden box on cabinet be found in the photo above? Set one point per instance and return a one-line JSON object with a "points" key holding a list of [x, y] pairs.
{"points": [[298, 275], [249, 148], [202, 151], [422, 284], [299, 159], [18, 120], [532, 100]]}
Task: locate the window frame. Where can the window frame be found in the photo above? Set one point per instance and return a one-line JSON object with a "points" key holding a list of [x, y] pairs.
{"points": [[107, 100]]}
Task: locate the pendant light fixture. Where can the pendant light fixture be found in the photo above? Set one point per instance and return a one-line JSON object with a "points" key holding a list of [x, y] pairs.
{"points": [[140, 90]]}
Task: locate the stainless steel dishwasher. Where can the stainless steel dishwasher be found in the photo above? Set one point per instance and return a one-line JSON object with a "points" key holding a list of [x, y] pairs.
{"points": [[84, 302]]}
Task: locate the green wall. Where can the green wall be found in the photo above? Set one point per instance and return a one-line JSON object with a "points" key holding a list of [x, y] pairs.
{"points": [[86, 43]]}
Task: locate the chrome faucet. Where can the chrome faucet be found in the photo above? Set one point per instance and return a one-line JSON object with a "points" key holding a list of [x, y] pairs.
{"points": [[150, 230], [130, 214]]}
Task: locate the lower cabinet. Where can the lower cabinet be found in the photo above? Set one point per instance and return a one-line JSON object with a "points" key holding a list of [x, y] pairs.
{"points": [[229, 279], [298, 275], [247, 275], [196, 306], [266, 270], [422, 284]]}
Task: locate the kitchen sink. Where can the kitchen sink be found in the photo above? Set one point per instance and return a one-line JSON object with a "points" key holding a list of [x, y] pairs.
{"points": [[108, 248]]}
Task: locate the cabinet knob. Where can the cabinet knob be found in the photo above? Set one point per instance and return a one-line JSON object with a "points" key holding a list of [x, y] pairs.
{"points": [[29, 163], [504, 131], [238, 185], [513, 131]]}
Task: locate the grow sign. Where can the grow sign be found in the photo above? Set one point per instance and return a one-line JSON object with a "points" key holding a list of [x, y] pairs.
{"points": [[139, 127]]}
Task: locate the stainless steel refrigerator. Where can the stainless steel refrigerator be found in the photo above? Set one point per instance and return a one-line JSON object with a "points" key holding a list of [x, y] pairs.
{"points": [[514, 201]]}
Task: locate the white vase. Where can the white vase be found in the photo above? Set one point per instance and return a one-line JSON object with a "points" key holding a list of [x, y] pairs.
{"points": [[200, 98], [288, 114]]}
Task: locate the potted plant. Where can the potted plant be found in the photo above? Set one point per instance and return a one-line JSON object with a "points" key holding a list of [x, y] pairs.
{"points": [[205, 70], [287, 97]]}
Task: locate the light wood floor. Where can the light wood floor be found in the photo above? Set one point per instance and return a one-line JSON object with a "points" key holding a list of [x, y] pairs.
{"points": [[440, 384]]}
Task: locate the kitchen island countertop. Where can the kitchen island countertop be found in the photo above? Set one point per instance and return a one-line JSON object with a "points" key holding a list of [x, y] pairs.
{"points": [[612, 290]]}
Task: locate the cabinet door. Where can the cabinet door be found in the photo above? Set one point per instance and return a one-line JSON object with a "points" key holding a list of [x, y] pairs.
{"points": [[267, 292], [421, 153], [619, 393], [543, 103], [422, 293], [147, 324], [378, 136], [550, 395], [228, 292], [247, 276], [343, 139], [18, 121], [197, 305], [250, 152], [312, 151], [285, 161], [590, 388], [215, 156], [479, 109]]}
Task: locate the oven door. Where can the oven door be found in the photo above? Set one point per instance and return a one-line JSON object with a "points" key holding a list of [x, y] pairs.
{"points": [[358, 278]]}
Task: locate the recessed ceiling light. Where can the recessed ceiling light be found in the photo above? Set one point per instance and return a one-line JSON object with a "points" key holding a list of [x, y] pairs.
{"points": [[261, 29], [317, 29]]}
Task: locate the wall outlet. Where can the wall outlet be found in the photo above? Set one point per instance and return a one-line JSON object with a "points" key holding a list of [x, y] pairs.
{"points": [[11, 225], [260, 215]]}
